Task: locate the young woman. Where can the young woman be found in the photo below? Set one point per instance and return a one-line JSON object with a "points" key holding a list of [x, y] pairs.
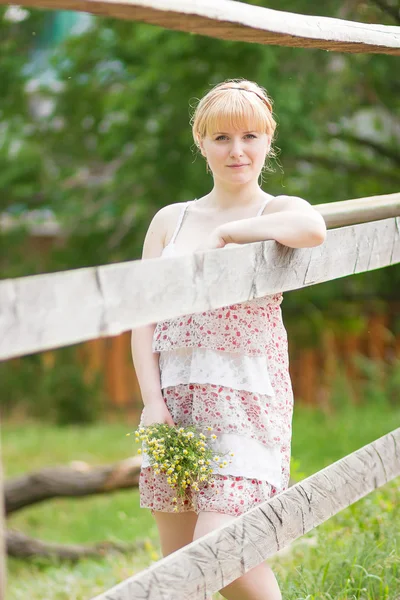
{"points": [[225, 368]]}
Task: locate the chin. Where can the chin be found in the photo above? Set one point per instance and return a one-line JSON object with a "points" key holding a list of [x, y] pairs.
{"points": [[241, 178]]}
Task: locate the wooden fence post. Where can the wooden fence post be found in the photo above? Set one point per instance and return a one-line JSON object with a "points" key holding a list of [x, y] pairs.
{"points": [[2, 537]]}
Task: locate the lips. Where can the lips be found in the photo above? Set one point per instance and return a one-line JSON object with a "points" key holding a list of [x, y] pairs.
{"points": [[236, 166]]}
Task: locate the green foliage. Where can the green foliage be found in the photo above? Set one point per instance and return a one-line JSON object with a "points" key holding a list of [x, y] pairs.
{"points": [[70, 399], [342, 390], [380, 380], [377, 384], [56, 393], [17, 41]]}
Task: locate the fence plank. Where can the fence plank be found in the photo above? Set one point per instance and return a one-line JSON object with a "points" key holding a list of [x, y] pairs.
{"points": [[239, 21], [360, 210], [48, 311], [220, 557]]}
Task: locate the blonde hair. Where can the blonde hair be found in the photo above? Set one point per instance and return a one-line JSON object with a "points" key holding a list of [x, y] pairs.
{"points": [[237, 103]]}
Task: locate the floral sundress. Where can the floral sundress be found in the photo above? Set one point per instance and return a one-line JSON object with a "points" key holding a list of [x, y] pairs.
{"points": [[228, 369]]}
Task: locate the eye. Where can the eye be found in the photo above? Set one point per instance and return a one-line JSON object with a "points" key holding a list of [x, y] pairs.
{"points": [[251, 135], [220, 137]]}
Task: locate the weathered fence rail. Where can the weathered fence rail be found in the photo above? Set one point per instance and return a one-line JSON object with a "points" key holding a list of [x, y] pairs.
{"points": [[217, 559], [360, 210], [47, 311], [229, 20]]}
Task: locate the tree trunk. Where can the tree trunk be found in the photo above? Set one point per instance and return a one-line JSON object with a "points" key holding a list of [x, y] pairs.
{"points": [[22, 546], [78, 479]]}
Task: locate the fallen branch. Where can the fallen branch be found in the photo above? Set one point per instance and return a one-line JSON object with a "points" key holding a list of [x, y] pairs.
{"points": [[78, 479], [22, 546]]}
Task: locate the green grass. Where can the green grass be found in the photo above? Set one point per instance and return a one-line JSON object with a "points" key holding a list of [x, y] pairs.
{"points": [[355, 555]]}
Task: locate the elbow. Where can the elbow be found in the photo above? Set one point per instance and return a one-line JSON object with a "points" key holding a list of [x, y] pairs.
{"points": [[318, 237], [313, 234], [318, 232], [310, 233]]}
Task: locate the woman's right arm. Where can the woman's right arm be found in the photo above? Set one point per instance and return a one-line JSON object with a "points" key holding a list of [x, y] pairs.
{"points": [[146, 362]]}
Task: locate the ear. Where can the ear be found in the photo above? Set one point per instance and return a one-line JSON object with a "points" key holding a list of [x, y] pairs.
{"points": [[201, 146], [268, 146]]}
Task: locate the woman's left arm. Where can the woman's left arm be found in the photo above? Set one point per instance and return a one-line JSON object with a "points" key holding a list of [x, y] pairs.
{"points": [[296, 224]]}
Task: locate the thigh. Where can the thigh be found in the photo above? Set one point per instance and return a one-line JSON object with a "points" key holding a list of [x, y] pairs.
{"points": [[208, 521], [175, 529]]}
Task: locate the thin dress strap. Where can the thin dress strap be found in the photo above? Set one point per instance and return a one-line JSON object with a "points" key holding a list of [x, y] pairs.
{"points": [[183, 212], [180, 220], [264, 204]]}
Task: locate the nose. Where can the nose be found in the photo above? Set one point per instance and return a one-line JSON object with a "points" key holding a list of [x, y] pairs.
{"points": [[236, 148]]}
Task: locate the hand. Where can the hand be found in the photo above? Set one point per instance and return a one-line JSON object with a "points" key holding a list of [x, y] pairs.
{"points": [[216, 239], [156, 412]]}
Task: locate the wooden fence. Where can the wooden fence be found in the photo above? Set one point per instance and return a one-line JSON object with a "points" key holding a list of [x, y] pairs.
{"points": [[48, 311], [314, 371]]}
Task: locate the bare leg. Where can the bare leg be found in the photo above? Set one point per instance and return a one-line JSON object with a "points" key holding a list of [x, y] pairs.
{"points": [[175, 529], [258, 584]]}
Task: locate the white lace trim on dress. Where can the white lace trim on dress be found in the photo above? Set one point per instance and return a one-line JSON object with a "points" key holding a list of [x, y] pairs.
{"points": [[252, 459], [204, 365]]}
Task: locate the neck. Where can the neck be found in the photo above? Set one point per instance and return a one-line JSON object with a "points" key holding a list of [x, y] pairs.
{"points": [[224, 197]]}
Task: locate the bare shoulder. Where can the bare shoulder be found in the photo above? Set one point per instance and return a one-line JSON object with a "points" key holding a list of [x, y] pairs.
{"points": [[283, 202], [159, 229], [168, 212], [168, 217]]}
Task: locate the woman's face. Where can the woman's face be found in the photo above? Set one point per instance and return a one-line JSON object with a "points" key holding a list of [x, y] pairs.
{"points": [[235, 156]]}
